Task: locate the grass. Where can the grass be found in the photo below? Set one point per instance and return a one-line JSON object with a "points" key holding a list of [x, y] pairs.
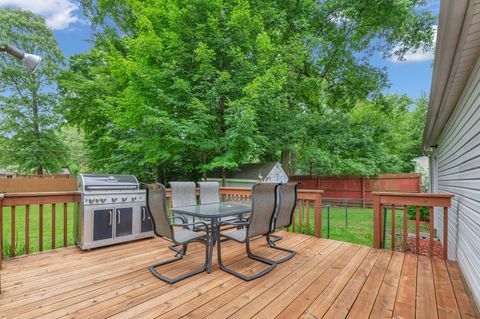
{"points": [[34, 233], [355, 225]]}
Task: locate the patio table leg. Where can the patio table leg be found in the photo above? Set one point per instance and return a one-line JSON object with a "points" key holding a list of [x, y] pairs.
{"points": [[213, 239]]}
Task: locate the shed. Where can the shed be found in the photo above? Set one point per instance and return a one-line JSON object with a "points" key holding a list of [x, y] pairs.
{"points": [[4, 173], [249, 174]]}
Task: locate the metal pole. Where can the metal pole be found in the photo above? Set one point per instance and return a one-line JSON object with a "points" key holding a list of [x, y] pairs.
{"points": [[346, 214], [384, 225], [328, 221]]}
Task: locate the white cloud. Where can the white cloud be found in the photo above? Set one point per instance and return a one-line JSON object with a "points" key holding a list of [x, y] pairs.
{"points": [[58, 14], [417, 56]]}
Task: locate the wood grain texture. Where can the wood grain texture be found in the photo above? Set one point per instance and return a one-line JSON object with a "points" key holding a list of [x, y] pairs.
{"points": [[326, 278]]}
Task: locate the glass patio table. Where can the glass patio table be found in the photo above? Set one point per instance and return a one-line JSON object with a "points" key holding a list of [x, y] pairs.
{"points": [[214, 212]]}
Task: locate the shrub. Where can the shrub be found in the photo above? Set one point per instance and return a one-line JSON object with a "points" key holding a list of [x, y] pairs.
{"points": [[424, 213]]}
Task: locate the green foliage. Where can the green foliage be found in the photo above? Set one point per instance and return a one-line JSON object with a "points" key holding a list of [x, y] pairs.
{"points": [[377, 136], [28, 122], [424, 213], [177, 88]]}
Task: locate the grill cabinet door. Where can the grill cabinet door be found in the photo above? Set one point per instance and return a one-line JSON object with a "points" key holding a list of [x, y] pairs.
{"points": [[146, 220], [102, 224], [123, 221]]}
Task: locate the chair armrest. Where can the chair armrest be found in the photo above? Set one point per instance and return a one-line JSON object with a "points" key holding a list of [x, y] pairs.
{"points": [[184, 220], [233, 223]]}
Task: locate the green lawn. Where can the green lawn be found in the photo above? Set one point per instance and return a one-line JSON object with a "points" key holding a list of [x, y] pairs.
{"points": [[34, 228], [356, 225]]}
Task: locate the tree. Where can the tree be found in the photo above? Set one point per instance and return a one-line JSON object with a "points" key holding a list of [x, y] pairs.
{"points": [[183, 87], [377, 136], [28, 122]]}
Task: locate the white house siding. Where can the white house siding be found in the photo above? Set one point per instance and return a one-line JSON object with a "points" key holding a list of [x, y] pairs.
{"points": [[458, 155]]}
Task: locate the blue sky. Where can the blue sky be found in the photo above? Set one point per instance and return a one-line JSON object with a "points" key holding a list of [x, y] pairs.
{"points": [[73, 34]]}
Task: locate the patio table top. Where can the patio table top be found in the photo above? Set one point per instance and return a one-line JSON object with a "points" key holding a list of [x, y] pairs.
{"points": [[215, 210]]}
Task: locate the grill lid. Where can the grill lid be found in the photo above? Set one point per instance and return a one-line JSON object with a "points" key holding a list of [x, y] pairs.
{"points": [[91, 182]]}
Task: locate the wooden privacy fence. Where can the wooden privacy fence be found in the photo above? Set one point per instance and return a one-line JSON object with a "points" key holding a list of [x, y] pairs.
{"points": [[394, 200], [360, 187]]}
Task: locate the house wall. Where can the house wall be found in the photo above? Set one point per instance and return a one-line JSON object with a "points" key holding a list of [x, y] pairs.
{"points": [[458, 159]]}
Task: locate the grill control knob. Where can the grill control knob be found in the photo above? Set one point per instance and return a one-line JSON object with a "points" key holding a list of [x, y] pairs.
{"points": [[97, 200], [103, 199], [124, 198], [134, 197], [114, 199], [91, 200]]}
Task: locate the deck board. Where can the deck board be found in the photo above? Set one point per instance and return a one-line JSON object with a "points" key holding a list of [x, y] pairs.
{"points": [[326, 278]]}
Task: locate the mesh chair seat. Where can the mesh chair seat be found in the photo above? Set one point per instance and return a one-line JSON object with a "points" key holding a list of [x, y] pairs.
{"points": [[237, 235], [186, 235]]}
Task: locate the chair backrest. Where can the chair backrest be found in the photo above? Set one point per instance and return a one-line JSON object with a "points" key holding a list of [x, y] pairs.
{"points": [[264, 202], [157, 208], [287, 202], [183, 194], [209, 192]]}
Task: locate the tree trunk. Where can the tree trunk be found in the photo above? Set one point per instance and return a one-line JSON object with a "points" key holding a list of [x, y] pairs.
{"points": [[288, 161], [223, 130], [285, 160], [36, 129], [293, 162]]}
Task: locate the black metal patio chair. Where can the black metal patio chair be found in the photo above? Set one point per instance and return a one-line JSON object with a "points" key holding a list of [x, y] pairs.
{"points": [[287, 202], [163, 227], [264, 201]]}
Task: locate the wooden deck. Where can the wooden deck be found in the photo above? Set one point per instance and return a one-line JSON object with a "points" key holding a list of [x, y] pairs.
{"points": [[327, 278]]}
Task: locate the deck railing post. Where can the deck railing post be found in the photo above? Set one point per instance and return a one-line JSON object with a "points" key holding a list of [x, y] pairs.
{"points": [[317, 210]]}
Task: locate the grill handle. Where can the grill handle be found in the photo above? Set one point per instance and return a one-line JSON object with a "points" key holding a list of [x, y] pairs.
{"points": [[118, 214], [143, 213], [110, 222]]}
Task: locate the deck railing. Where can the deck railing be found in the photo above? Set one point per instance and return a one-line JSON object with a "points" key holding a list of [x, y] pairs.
{"points": [[20, 208], [27, 201], [309, 206], [393, 201]]}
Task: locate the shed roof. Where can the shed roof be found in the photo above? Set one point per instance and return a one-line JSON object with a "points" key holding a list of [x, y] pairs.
{"points": [[245, 171]]}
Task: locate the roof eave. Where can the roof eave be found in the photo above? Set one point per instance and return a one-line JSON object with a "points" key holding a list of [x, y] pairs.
{"points": [[451, 21]]}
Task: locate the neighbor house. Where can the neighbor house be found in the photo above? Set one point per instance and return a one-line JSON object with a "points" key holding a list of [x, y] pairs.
{"points": [[452, 132], [5, 173]]}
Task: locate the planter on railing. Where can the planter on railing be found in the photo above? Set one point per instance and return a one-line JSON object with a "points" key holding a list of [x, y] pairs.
{"points": [[393, 200]]}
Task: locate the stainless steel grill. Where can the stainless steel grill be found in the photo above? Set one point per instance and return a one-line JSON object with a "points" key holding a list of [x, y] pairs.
{"points": [[112, 210]]}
